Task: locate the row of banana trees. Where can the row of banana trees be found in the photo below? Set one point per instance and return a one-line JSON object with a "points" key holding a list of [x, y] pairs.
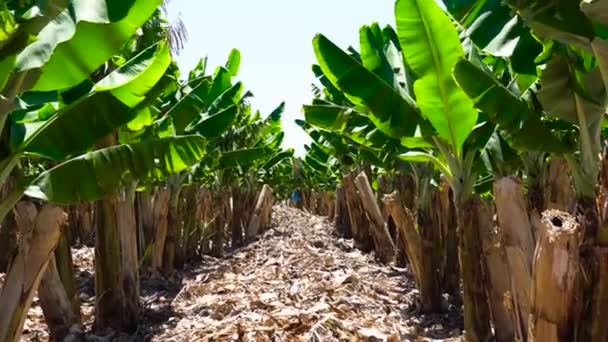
{"points": [[479, 125], [155, 167]]}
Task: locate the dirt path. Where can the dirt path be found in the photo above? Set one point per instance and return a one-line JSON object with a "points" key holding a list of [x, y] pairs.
{"points": [[298, 282]]}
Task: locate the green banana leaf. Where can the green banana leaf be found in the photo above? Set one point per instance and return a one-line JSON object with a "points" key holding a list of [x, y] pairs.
{"points": [[392, 113], [221, 83], [133, 80], [189, 107], [215, 125], [227, 99], [73, 129], [243, 157], [505, 109], [234, 62], [62, 51], [327, 117], [97, 174], [431, 47], [372, 53], [276, 159]]}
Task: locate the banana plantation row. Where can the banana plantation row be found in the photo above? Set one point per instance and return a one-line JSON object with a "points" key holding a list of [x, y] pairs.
{"points": [[113, 146], [468, 141]]}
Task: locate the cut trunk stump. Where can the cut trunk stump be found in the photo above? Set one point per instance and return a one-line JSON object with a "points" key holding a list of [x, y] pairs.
{"points": [[27, 269], [516, 237], [555, 272], [260, 219], [384, 246]]}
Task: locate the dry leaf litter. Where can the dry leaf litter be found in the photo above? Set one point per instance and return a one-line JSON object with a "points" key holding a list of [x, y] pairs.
{"points": [[297, 282]]}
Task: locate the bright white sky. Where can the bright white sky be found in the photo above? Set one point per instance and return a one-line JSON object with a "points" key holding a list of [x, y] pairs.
{"points": [[275, 40]]}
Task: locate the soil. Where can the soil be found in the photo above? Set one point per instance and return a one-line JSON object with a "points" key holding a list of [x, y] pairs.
{"points": [[297, 282]]}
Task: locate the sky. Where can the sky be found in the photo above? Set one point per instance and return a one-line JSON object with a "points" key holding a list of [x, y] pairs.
{"points": [[275, 40]]}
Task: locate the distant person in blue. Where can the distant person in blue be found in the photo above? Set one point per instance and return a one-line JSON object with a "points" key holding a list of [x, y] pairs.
{"points": [[295, 197]]}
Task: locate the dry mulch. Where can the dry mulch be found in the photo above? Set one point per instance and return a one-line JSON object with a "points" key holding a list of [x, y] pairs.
{"points": [[297, 282]]}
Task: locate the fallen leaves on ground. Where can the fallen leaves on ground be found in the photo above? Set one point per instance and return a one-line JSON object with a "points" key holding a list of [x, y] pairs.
{"points": [[300, 283]]}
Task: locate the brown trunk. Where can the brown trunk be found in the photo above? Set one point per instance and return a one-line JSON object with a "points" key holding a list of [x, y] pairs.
{"points": [[593, 240], [473, 217], [384, 246], [359, 223], [238, 210], [8, 241], [451, 273], [8, 230], [114, 282], [559, 193], [144, 204], [341, 218], [554, 287], [27, 269], [515, 230], [81, 222], [599, 328], [431, 220], [56, 306], [409, 239], [207, 215], [259, 220], [192, 222], [161, 211], [498, 285], [173, 226], [221, 212], [129, 260], [65, 268]]}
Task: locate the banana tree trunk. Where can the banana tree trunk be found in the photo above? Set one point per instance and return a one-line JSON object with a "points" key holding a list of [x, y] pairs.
{"points": [[27, 269], [129, 259], [409, 239], [516, 237], [57, 307], [473, 216], [259, 219], [161, 211], [498, 285], [171, 240], [144, 204], [116, 265], [555, 276], [192, 223], [358, 220], [451, 270], [600, 296], [238, 211], [8, 241], [221, 212], [384, 246], [206, 208], [65, 268], [559, 193], [341, 218], [430, 222], [8, 229]]}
